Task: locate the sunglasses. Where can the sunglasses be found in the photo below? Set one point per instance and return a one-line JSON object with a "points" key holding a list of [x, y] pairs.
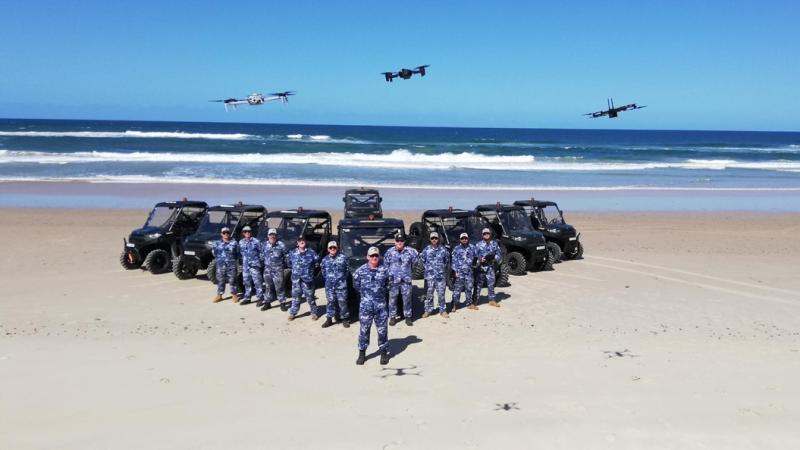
{"points": [[247, 231], [464, 239], [226, 232], [434, 239], [373, 256], [486, 234]]}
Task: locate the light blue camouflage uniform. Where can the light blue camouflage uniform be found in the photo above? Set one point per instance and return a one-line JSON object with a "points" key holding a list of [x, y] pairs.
{"points": [[485, 273], [334, 271], [302, 265], [462, 257], [436, 261], [274, 259], [226, 255], [400, 265], [251, 267], [372, 285]]}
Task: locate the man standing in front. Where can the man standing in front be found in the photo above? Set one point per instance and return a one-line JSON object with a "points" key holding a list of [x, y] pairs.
{"points": [[273, 252], [334, 271], [462, 258], [302, 262], [226, 254], [435, 258], [489, 254], [400, 262], [372, 280], [250, 248]]}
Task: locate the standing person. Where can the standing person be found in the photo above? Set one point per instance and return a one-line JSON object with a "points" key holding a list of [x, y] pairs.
{"points": [[250, 248], [462, 258], [273, 253], [400, 262], [488, 251], [302, 262], [435, 258], [226, 254], [334, 271], [372, 281]]}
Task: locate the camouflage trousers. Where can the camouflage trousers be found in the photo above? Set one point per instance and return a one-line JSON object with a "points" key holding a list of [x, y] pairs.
{"points": [[402, 289], [253, 279], [273, 285], [484, 278], [435, 284], [336, 295], [300, 289], [226, 274], [373, 311], [463, 283]]}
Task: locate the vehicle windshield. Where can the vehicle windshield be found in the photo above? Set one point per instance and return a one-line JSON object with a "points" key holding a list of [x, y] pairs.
{"points": [[363, 201], [215, 220], [474, 226], [516, 220], [289, 228], [356, 241], [551, 215], [160, 216]]}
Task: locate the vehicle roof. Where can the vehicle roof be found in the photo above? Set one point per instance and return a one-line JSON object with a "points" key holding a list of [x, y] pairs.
{"points": [[299, 213], [535, 203], [497, 207], [361, 191], [182, 203], [238, 207], [367, 223], [458, 213]]}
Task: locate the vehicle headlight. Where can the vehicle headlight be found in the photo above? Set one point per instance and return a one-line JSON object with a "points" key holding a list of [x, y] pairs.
{"points": [[553, 230], [209, 242], [518, 238], [154, 235]]}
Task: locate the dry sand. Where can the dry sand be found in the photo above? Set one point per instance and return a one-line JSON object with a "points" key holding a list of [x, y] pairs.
{"points": [[676, 331]]}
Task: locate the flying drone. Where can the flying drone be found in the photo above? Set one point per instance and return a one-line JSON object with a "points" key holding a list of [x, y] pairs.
{"points": [[256, 99], [613, 111], [405, 73]]}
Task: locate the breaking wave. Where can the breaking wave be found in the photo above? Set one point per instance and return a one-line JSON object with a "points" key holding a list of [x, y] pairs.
{"points": [[131, 134]]}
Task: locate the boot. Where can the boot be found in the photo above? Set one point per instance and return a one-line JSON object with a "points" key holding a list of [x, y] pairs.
{"points": [[473, 307], [260, 303], [235, 298], [494, 303], [290, 318], [453, 309], [346, 323], [362, 356], [328, 322], [314, 317], [284, 307], [426, 314], [409, 323], [245, 302], [384, 358], [392, 321], [445, 315], [265, 306], [217, 298]]}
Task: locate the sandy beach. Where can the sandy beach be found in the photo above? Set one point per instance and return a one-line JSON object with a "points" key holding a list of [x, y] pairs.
{"points": [[677, 330]]}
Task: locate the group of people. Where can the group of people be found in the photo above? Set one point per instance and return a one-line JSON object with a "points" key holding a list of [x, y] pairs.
{"points": [[380, 281]]}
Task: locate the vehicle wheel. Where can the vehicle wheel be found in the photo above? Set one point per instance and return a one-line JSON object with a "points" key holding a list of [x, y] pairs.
{"points": [[418, 270], [184, 267], [517, 265], [557, 254], [158, 261], [129, 259], [211, 272], [577, 251], [415, 229], [501, 279], [451, 281], [548, 262]]}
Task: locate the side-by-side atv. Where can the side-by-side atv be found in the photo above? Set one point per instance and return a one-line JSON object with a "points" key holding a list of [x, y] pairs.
{"points": [[197, 248], [160, 239], [362, 204], [450, 223], [548, 218], [524, 248]]}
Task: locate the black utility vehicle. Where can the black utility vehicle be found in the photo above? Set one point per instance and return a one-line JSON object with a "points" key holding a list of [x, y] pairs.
{"points": [[450, 223], [548, 218], [356, 236], [524, 248], [197, 254], [159, 240], [362, 204], [290, 224]]}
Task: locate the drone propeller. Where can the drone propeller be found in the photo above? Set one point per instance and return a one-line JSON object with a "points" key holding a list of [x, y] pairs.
{"points": [[283, 94], [423, 66]]}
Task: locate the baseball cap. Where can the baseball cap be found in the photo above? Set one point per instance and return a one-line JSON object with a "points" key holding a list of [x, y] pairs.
{"points": [[247, 228], [463, 235], [373, 251], [332, 244], [399, 237], [272, 231], [224, 229], [434, 235], [486, 230]]}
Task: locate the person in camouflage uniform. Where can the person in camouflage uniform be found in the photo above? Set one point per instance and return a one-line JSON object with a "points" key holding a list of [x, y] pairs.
{"points": [[372, 281], [250, 249], [226, 255], [302, 262], [273, 255], [462, 257], [400, 262], [488, 251], [334, 271], [436, 259]]}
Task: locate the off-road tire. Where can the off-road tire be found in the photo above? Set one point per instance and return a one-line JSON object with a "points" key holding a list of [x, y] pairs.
{"points": [[517, 264], [577, 253], [129, 259], [558, 255], [211, 272], [418, 270], [158, 261], [184, 267], [501, 277], [549, 260]]}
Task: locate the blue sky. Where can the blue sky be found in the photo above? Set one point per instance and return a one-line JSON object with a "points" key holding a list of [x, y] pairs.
{"points": [[698, 65]]}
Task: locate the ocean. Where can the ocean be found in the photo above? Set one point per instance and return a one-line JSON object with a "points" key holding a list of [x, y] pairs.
{"points": [[472, 159]]}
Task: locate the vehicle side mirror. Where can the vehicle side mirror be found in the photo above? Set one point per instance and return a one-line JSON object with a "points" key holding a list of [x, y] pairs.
{"points": [[344, 199]]}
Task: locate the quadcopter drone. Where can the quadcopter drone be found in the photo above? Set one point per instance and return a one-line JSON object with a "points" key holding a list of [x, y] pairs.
{"points": [[405, 73], [612, 111], [256, 99]]}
